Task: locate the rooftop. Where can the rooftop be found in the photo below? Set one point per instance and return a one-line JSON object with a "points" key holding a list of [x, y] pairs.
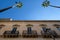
{"points": [[11, 20]]}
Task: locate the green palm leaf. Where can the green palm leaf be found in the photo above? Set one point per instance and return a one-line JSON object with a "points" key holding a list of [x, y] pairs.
{"points": [[45, 3], [19, 5]]}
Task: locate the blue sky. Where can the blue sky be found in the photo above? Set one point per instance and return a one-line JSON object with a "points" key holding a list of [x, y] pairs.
{"points": [[31, 10]]}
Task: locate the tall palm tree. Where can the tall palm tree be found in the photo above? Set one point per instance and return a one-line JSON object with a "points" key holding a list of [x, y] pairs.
{"points": [[46, 3], [18, 4]]}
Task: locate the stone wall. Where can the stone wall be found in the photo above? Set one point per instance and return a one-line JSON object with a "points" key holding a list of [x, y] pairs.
{"points": [[9, 26]]}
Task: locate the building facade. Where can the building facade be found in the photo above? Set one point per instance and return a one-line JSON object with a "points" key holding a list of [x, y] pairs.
{"points": [[23, 26]]}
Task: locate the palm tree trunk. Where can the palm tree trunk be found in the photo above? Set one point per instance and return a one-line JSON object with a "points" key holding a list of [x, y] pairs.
{"points": [[54, 6], [5, 9]]}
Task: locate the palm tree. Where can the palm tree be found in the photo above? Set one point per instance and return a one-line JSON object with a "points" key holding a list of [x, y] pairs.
{"points": [[18, 4], [46, 3]]}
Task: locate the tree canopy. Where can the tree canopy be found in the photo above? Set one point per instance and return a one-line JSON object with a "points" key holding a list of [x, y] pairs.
{"points": [[46, 3]]}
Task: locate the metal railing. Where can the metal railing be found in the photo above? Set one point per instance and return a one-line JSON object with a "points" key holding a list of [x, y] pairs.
{"points": [[32, 34], [8, 34], [49, 34]]}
